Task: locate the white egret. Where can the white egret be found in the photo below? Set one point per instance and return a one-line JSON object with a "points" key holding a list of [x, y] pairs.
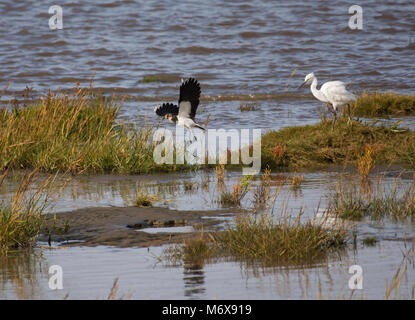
{"points": [[332, 92]]}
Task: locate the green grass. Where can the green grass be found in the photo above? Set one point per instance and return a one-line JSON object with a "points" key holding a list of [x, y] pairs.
{"points": [[159, 78], [349, 202], [239, 191], [143, 199], [148, 79], [384, 104], [76, 133], [195, 250], [21, 217], [370, 241], [317, 146], [262, 239]]}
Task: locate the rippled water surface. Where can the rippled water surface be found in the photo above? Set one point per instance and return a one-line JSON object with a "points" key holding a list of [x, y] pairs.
{"points": [[239, 50], [90, 272], [141, 277], [254, 52]]}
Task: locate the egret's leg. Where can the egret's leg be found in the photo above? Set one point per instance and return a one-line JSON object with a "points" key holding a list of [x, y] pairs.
{"points": [[328, 107], [329, 110], [334, 119]]}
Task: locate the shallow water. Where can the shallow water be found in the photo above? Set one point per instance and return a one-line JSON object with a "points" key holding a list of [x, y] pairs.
{"points": [[88, 273], [241, 52]]}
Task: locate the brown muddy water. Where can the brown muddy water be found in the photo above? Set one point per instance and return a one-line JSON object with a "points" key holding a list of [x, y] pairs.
{"points": [[242, 52]]}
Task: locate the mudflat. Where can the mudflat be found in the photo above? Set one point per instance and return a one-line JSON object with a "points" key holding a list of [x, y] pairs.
{"points": [[120, 226]]}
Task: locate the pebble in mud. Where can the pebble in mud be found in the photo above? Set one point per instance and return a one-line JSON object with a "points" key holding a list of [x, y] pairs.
{"points": [[157, 223]]}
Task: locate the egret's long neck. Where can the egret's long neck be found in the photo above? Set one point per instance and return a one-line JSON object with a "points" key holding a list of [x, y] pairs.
{"points": [[317, 93]]}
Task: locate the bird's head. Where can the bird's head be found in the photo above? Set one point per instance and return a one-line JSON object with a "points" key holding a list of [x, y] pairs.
{"points": [[308, 79], [171, 117]]}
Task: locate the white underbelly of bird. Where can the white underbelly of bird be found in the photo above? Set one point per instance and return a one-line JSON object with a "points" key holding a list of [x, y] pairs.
{"points": [[187, 123]]}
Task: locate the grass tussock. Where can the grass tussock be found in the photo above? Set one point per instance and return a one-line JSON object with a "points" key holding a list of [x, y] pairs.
{"points": [[395, 202], [262, 239], [370, 241], [365, 162], [239, 191], [220, 174], [318, 146], [76, 132], [296, 181], [384, 104], [262, 192], [21, 218], [143, 199]]}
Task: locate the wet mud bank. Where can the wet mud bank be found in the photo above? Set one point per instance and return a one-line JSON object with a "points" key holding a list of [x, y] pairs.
{"points": [[125, 226]]}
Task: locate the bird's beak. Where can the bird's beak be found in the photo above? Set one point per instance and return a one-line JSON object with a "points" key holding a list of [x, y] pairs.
{"points": [[304, 83]]}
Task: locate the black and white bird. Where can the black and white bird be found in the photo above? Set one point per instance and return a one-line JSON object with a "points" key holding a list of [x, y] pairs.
{"points": [[184, 114]]}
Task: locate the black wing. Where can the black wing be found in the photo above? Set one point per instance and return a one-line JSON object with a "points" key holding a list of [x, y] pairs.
{"points": [[189, 98], [167, 108]]}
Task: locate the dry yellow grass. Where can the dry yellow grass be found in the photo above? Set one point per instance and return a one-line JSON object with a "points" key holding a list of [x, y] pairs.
{"points": [[365, 162]]}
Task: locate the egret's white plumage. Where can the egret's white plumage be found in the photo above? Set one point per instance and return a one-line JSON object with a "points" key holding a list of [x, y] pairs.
{"points": [[331, 92]]}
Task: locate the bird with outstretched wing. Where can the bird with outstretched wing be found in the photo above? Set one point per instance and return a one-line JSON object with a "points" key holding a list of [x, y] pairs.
{"points": [[184, 114]]}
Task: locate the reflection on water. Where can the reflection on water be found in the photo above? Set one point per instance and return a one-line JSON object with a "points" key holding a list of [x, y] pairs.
{"points": [[89, 273], [240, 52], [199, 191], [22, 272], [194, 280]]}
